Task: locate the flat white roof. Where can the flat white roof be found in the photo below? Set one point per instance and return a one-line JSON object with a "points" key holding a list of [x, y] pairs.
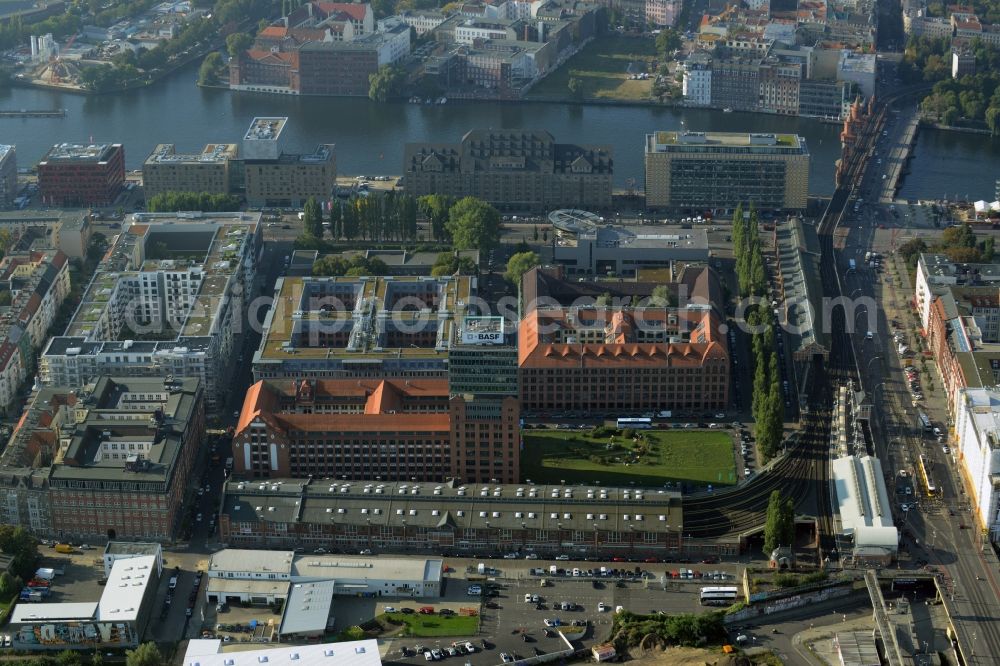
{"points": [[25, 613], [239, 559], [351, 653], [125, 589], [862, 500], [346, 569], [308, 608]]}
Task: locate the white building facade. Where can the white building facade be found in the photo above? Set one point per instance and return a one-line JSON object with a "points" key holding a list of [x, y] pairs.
{"points": [[977, 440]]}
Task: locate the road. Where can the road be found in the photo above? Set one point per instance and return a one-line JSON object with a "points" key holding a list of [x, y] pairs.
{"points": [[937, 525]]}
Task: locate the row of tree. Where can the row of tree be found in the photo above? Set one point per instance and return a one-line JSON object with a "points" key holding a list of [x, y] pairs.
{"points": [[958, 243], [333, 265], [207, 202], [768, 403], [389, 217], [779, 526]]}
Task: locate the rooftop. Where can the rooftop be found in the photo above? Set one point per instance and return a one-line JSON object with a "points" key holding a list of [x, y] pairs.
{"points": [[265, 128], [80, 152], [861, 494], [125, 589], [367, 568], [264, 561], [453, 505], [679, 141], [350, 653], [4, 149], [308, 608], [213, 153]]}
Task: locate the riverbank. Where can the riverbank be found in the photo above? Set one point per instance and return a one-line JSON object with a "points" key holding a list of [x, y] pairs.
{"points": [[955, 128]]}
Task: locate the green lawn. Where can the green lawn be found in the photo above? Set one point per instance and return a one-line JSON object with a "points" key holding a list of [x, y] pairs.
{"points": [[432, 626], [693, 456], [602, 67]]}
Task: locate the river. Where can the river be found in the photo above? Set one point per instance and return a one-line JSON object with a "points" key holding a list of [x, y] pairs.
{"points": [[370, 137]]}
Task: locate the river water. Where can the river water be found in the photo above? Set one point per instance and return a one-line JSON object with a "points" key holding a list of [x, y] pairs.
{"points": [[370, 137]]}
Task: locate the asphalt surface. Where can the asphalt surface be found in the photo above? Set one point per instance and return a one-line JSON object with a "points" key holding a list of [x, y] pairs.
{"points": [[935, 526]]}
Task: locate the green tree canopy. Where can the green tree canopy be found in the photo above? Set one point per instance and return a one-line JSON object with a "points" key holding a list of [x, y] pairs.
{"points": [[312, 218], [386, 83], [473, 223], [147, 654], [519, 264], [450, 263], [237, 43], [211, 66]]}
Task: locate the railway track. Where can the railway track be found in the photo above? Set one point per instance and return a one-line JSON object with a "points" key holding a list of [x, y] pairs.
{"points": [[803, 471]]}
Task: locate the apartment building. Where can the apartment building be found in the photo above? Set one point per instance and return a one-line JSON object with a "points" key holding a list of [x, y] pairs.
{"points": [[8, 175], [80, 175], [706, 170], [399, 327], [455, 518], [662, 13], [936, 274], [697, 82], [212, 170], [374, 429], [275, 178], [977, 444], [169, 299], [581, 350], [513, 169], [39, 283], [104, 460]]}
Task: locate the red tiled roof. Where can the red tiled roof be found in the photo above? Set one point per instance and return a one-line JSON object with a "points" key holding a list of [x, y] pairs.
{"points": [[354, 10]]}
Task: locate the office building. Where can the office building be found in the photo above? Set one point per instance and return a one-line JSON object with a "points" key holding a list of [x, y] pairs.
{"points": [[212, 170], [362, 327], [456, 518], [588, 245], [374, 429], [483, 361], [117, 620], [106, 460], [8, 175], [169, 300], [711, 170], [512, 169], [80, 175], [586, 347], [275, 178], [590, 347]]}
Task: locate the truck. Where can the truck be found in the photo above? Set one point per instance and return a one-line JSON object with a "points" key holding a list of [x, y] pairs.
{"points": [[34, 594], [64, 548]]}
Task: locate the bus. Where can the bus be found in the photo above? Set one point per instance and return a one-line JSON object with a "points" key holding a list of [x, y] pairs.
{"points": [[925, 476], [718, 596], [635, 423], [924, 421]]}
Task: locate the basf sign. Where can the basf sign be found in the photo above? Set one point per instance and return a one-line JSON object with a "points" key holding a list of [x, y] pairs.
{"points": [[482, 331]]}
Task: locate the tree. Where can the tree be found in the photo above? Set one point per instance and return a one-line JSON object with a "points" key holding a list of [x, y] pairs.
{"points": [[519, 264], [667, 41], [575, 87], [773, 523], [96, 659], [237, 43], [147, 654], [473, 223], [661, 297], [386, 83], [336, 220], [993, 119], [435, 208], [450, 263], [7, 589], [312, 218], [208, 73]]}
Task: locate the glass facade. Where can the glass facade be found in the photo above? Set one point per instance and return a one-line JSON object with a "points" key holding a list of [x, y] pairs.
{"points": [[712, 182]]}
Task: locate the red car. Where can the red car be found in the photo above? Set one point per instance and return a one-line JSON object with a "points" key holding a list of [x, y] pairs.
{"points": [[617, 559], [650, 560], [426, 610]]}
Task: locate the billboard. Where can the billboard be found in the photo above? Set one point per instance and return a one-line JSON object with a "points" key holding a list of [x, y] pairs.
{"points": [[482, 331]]}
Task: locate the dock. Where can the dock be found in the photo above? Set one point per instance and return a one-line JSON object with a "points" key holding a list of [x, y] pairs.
{"points": [[32, 113]]}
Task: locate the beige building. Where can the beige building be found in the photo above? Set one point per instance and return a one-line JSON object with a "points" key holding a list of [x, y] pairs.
{"points": [[291, 179], [710, 170], [212, 170], [513, 169]]}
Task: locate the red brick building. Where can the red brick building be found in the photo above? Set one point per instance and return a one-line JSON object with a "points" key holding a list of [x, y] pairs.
{"points": [[75, 175], [375, 429]]}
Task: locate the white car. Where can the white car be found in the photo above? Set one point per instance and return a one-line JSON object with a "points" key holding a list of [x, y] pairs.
{"points": [[474, 590], [506, 658], [388, 609], [470, 648], [946, 450], [527, 598], [601, 607], [531, 556], [562, 558]]}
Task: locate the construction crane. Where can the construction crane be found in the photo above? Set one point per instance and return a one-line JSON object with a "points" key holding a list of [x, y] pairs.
{"points": [[56, 62]]}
